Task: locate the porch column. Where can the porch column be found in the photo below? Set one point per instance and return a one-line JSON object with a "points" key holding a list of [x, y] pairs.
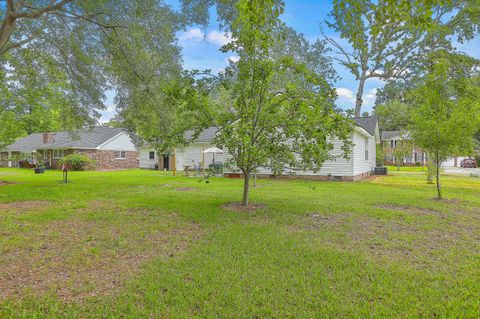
{"points": [[9, 159]]}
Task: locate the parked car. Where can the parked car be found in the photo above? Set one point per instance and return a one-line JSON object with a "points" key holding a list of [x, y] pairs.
{"points": [[468, 163]]}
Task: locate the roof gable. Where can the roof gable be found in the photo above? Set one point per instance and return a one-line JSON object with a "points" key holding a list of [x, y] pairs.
{"points": [[395, 135], [82, 139], [369, 124], [206, 136]]}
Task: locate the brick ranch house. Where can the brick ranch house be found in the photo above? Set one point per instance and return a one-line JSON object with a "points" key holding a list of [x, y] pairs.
{"points": [[110, 148]]}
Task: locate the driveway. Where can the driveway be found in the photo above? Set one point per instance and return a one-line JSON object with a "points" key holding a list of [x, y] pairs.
{"points": [[474, 172]]}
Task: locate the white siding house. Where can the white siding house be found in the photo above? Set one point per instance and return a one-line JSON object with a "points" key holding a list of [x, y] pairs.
{"points": [[190, 156], [360, 163]]}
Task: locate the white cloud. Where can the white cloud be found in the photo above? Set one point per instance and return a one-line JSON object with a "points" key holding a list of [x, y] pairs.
{"points": [[346, 98], [107, 114], [369, 98], [234, 59], [194, 35], [220, 38], [345, 93]]}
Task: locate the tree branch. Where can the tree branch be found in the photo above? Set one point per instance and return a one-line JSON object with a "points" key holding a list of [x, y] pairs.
{"points": [[40, 11]]}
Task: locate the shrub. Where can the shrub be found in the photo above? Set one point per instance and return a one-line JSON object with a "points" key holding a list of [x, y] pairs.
{"points": [[77, 162]]}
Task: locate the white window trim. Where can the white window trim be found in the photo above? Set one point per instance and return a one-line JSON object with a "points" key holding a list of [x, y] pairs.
{"points": [[120, 153], [58, 157]]}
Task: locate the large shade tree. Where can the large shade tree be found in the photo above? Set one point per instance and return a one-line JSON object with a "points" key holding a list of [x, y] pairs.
{"points": [[389, 39], [58, 58], [277, 112]]}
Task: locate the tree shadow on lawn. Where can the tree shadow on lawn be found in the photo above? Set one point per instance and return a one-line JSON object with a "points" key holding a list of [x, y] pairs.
{"points": [[77, 258]]}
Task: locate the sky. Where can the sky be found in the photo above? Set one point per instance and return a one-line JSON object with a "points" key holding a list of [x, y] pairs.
{"points": [[200, 48]]}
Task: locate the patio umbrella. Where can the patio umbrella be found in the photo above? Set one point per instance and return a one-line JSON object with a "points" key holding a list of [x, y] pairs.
{"points": [[213, 150]]}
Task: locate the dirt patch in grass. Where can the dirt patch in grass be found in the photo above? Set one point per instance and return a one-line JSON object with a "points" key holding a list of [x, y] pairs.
{"points": [[323, 220], [452, 201], [23, 206], [5, 183], [409, 209], [97, 206], [186, 189], [76, 259], [237, 207], [417, 241]]}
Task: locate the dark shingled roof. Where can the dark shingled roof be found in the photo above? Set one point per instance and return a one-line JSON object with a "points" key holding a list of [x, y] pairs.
{"points": [[205, 136], [388, 135], [368, 123], [85, 139]]}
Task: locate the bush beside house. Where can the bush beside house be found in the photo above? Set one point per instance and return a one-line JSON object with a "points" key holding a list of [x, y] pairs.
{"points": [[77, 162]]}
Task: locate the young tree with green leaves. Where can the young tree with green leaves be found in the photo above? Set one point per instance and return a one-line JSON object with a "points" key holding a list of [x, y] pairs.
{"points": [[402, 150], [447, 114], [276, 112], [162, 116]]}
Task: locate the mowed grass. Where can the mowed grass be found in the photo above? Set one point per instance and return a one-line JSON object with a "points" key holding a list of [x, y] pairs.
{"points": [[142, 244]]}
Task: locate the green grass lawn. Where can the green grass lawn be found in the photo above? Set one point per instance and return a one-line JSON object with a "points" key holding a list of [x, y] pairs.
{"points": [[141, 244], [416, 169]]}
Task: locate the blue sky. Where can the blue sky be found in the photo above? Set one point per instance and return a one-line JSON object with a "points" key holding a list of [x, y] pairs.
{"points": [[201, 49]]}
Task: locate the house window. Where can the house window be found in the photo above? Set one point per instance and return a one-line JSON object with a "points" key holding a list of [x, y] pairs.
{"points": [[120, 155], [151, 155], [366, 149], [58, 154]]}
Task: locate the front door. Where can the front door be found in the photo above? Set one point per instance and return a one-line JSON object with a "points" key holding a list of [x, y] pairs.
{"points": [[166, 162]]}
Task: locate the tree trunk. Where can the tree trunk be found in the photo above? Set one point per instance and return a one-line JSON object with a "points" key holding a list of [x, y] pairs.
{"points": [[359, 100], [437, 177], [246, 188]]}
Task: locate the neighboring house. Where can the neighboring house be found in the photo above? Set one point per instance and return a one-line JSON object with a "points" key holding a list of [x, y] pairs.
{"points": [[110, 148], [393, 139], [361, 163], [188, 157]]}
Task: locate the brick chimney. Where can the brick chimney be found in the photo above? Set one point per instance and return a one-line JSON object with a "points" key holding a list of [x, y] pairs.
{"points": [[48, 138]]}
